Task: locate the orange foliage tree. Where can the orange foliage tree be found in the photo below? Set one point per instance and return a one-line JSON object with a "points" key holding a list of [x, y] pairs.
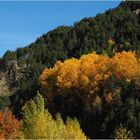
{"points": [[8, 126]]}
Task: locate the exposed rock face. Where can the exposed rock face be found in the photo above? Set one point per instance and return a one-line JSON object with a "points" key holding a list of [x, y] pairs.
{"points": [[137, 11], [4, 88], [14, 71]]}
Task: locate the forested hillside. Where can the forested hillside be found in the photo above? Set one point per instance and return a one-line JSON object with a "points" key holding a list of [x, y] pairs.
{"points": [[90, 71], [102, 92]]}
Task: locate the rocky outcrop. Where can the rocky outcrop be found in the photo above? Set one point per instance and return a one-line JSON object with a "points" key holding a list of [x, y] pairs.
{"points": [[13, 72], [137, 11], [4, 87]]}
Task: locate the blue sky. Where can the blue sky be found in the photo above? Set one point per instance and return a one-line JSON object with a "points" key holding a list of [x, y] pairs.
{"points": [[22, 22]]}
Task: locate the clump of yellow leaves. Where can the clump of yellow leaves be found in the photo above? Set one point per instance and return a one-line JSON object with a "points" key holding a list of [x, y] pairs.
{"points": [[126, 65], [89, 72], [111, 42]]}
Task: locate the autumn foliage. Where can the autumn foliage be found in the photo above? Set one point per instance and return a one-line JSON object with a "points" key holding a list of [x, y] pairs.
{"points": [[89, 74], [39, 124], [122, 133], [8, 126]]}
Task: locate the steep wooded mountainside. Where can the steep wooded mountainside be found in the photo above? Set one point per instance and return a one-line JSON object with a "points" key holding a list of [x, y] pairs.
{"points": [[116, 30], [101, 89]]}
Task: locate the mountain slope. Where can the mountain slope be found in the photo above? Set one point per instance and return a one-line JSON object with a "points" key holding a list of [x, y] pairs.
{"points": [[113, 31]]}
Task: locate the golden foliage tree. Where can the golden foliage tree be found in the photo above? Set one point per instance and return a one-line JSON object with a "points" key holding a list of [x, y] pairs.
{"points": [[88, 74]]}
